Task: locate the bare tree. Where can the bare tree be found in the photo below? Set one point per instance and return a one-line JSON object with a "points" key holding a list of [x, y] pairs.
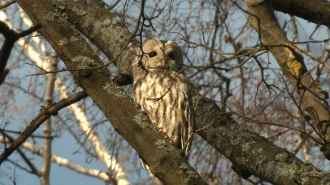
{"points": [[259, 79]]}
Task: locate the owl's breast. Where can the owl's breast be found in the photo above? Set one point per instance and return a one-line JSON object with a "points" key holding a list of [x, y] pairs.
{"points": [[158, 85]]}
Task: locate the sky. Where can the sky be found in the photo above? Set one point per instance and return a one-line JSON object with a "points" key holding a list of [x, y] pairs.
{"points": [[65, 145]]}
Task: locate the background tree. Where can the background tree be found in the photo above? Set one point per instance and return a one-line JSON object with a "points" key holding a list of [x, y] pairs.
{"points": [[261, 82]]}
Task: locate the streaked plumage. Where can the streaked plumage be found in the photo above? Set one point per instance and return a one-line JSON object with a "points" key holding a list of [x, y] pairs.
{"points": [[160, 89]]}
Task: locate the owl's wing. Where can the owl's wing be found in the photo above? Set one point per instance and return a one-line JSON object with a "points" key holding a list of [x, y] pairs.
{"points": [[167, 103], [187, 124]]}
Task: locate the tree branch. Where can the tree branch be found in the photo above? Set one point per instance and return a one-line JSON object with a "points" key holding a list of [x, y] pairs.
{"points": [[315, 11], [64, 162], [7, 4], [47, 130], [311, 96], [10, 38], [43, 115], [121, 111], [243, 149]]}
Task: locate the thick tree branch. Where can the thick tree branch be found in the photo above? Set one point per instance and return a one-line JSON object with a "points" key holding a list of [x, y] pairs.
{"points": [[312, 98], [251, 152], [316, 11], [121, 111], [104, 30], [243, 149]]}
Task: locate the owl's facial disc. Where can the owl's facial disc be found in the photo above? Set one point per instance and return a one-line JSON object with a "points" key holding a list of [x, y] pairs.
{"points": [[161, 55]]}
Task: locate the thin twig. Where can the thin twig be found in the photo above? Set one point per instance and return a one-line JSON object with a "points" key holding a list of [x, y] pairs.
{"points": [[44, 114]]}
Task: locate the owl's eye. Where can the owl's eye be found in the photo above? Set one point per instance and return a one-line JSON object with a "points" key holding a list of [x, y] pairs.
{"points": [[152, 54], [171, 55]]}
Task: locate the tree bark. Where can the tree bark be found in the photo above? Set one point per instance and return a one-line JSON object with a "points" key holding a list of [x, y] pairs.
{"points": [[311, 96], [316, 11], [90, 74], [245, 149]]}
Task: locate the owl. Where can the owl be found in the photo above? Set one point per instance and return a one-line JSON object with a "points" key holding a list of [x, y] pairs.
{"points": [[161, 90]]}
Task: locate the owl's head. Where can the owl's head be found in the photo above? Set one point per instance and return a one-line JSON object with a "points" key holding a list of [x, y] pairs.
{"points": [[160, 55]]}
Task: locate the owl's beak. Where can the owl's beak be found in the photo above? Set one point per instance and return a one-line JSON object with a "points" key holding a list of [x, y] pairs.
{"points": [[164, 63]]}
